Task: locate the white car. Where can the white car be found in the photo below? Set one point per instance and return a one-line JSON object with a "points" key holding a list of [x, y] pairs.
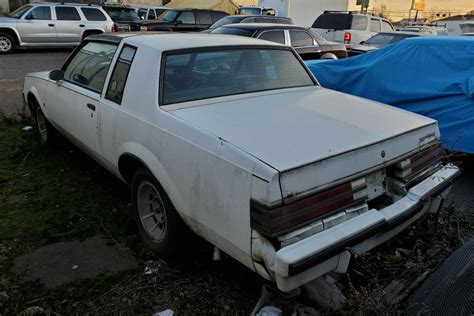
{"points": [[235, 138], [349, 28]]}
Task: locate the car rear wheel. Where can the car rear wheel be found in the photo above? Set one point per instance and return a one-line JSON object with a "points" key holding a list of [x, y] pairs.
{"points": [[47, 133], [7, 43], [158, 223]]}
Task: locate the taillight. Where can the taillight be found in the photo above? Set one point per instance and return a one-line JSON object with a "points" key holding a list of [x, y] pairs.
{"points": [[113, 28], [281, 219], [347, 37], [417, 163]]}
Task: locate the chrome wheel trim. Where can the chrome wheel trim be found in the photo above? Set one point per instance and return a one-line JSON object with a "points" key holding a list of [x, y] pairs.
{"points": [[151, 211], [5, 44], [42, 127]]}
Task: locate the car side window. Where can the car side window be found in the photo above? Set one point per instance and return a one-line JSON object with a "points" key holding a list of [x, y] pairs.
{"points": [[151, 14], [67, 14], [187, 17], [120, 74], [375, 25], [89, 67], [386, 27], [204, 17], [92, 14], [301, 39], [359, 23], [39, 13], [277, 36], [142, 13], [216, 16]]}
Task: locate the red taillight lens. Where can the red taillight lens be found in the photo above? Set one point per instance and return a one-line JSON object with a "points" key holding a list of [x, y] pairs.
{"points": [[347, 37], [113, 28], [418, 162], [278, 220]]}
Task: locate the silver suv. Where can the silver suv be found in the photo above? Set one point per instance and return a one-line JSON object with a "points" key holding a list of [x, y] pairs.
{"points": [[51, 25]]}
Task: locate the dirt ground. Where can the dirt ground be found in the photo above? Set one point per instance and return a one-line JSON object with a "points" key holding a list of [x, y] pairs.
{"points": [[53, 196]]}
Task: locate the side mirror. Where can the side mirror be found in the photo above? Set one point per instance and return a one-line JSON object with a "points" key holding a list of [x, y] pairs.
{"points": [[56, 75], [28, 17], [362, 43]]}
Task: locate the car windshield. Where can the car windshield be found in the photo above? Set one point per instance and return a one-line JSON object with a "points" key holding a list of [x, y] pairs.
{"points": [[210, 74], [122, 14], [234, 31], [225, 21], [250, 11], [386, 39], [18, 13], [169, 15]]}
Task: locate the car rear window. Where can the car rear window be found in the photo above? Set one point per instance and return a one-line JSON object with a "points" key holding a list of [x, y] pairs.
{"points": [[209, 74], [234, 31], [333, 21], [92, 14]]}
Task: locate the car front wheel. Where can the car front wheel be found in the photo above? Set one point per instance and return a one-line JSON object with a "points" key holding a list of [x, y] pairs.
{"points": [[158, 223], [7, 43], [47, 133]]}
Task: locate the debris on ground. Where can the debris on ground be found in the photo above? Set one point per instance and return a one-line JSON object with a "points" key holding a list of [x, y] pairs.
{"points": [[166, 312], [27, 128], [325, 292]]}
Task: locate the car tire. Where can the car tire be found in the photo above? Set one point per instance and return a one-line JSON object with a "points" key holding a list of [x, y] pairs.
{"points": [[7, 43], [158, 223], [48, 135]]}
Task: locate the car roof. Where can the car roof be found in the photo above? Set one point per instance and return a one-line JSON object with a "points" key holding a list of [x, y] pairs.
{"points": [[165, 41], [63, 3], [261, 26]]}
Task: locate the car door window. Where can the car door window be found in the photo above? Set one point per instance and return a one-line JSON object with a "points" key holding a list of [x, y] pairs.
{"points": [[359, 23], [375, 25], [142, 13], [277, 36], [204, 17], [39, 13], [159, 12], [92, 14], [186, 17], [89, 67], [300, 39], [151, 14], [67, 14], [120, 75], [386, 27]]}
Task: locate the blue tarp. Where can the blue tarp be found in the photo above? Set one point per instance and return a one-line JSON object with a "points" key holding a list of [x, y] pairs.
{"points": [[431, 76]]}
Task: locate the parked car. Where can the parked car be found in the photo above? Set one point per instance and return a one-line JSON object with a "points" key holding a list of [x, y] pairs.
{"points": [[233, 19], [349, 28], [431, 82], [235, 138], [254, 10], [51, 25], [149, 12], [426, 29], [184, 20], [308, 44], [380, 40], [124, 16]]}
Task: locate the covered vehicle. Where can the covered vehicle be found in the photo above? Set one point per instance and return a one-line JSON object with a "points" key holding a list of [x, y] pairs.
{"points": [[436, 80]]}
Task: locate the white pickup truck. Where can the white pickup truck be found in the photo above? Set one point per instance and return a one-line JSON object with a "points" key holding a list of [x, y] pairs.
{"points": [[235, 138]]}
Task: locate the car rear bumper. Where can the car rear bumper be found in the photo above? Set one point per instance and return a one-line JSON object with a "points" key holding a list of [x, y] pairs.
{"points": [[327, 251]]}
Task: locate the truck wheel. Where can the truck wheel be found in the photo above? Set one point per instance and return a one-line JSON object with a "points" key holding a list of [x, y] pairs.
{"points": [[7, 43], [48, 134], [157, 221]]}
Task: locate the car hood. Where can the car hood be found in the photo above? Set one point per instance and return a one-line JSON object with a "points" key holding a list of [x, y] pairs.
{"points": [[295, 127], [365, 48], [8, 20]]}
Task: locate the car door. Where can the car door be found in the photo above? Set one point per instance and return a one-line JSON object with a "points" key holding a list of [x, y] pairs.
{"points": [[73, 102], [304, 44], [69, 26], [37, 26]]}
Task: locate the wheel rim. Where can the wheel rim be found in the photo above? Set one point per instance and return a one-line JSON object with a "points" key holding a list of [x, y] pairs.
{"points": [[42, 128], [151, 211], [5, 44]]}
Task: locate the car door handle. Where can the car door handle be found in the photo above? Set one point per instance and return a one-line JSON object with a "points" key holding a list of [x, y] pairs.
{"points": [[91, 106], [81, 25], [51, 25]]}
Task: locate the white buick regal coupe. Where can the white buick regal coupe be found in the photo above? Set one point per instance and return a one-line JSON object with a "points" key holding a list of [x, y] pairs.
{"points": [[235, 138]]}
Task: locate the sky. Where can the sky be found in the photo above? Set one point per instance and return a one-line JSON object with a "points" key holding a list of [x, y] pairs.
{"points": [[399, 8]]}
